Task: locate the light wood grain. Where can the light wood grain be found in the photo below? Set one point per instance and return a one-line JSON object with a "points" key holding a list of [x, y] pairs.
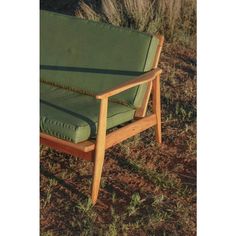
{"points": [[141, 111], [100, 149], [130, 130], [159, 49], [156, 91], [157, 107], [147, 77], [82, 150]]}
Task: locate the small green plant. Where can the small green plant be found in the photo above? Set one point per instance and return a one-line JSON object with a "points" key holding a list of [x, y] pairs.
{"points": [[113, 197], [48, 233], [134, 204], [112, 231], [158, 200], [86, 207], [84, 217], [47, 199], [113, 226]]}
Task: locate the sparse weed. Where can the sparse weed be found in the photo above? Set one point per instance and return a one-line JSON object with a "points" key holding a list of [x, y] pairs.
{"points": [[112, 227], [86, 207], [134, 204], [48, 233], [158, 200], [113, 197], [84, 217]]}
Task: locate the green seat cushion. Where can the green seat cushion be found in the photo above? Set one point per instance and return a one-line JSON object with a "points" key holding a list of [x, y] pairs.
{"points": [[93, 56], [72, 116]]}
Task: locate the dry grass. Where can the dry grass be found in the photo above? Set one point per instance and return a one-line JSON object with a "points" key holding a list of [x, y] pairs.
{"points": [[86, 10], [175, 19], [112, 10]]}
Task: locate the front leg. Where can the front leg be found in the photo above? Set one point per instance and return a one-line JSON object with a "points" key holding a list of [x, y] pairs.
{"points": [[100, 149]]}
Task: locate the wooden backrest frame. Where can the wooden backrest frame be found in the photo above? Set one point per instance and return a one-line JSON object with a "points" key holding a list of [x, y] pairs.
{"points": [[141, 111]]}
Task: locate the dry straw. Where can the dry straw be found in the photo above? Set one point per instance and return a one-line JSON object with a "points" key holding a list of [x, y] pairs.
{"points": [[174, 18]]}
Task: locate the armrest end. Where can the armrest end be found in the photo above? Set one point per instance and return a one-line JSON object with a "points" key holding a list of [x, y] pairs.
{"points": [[147, 77]]}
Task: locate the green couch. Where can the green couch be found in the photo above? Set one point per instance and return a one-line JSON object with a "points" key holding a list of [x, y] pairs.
{"points": [[93, 77], [81, 58]]}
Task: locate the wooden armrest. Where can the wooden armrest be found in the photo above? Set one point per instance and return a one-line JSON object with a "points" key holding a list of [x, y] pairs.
{"points": [[147, 77]]}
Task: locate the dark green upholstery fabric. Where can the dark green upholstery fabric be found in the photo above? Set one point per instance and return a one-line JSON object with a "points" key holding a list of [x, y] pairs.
{"points": [[93, 56], [72, 116]]}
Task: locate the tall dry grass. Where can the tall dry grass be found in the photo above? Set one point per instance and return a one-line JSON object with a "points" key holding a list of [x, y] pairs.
{"points": [[176, 19]]}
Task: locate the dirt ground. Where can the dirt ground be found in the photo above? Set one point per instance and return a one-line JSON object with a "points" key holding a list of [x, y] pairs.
{"points": [[147, 189]]}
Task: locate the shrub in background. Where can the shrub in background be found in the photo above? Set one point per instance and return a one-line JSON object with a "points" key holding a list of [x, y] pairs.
{"points": [[176, 19]]}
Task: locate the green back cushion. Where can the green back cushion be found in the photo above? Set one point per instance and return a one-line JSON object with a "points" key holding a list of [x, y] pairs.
{"points": [[93, 56]]}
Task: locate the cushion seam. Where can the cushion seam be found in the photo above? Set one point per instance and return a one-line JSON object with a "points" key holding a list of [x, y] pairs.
{"points": [[86, 93], [108, 117]]}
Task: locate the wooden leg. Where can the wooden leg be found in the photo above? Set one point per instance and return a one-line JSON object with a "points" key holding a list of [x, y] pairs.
{"points": [[100, 149], [157, 107]]}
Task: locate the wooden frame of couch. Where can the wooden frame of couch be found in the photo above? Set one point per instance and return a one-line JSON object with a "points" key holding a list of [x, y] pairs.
{"points": [[95, 151]]}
